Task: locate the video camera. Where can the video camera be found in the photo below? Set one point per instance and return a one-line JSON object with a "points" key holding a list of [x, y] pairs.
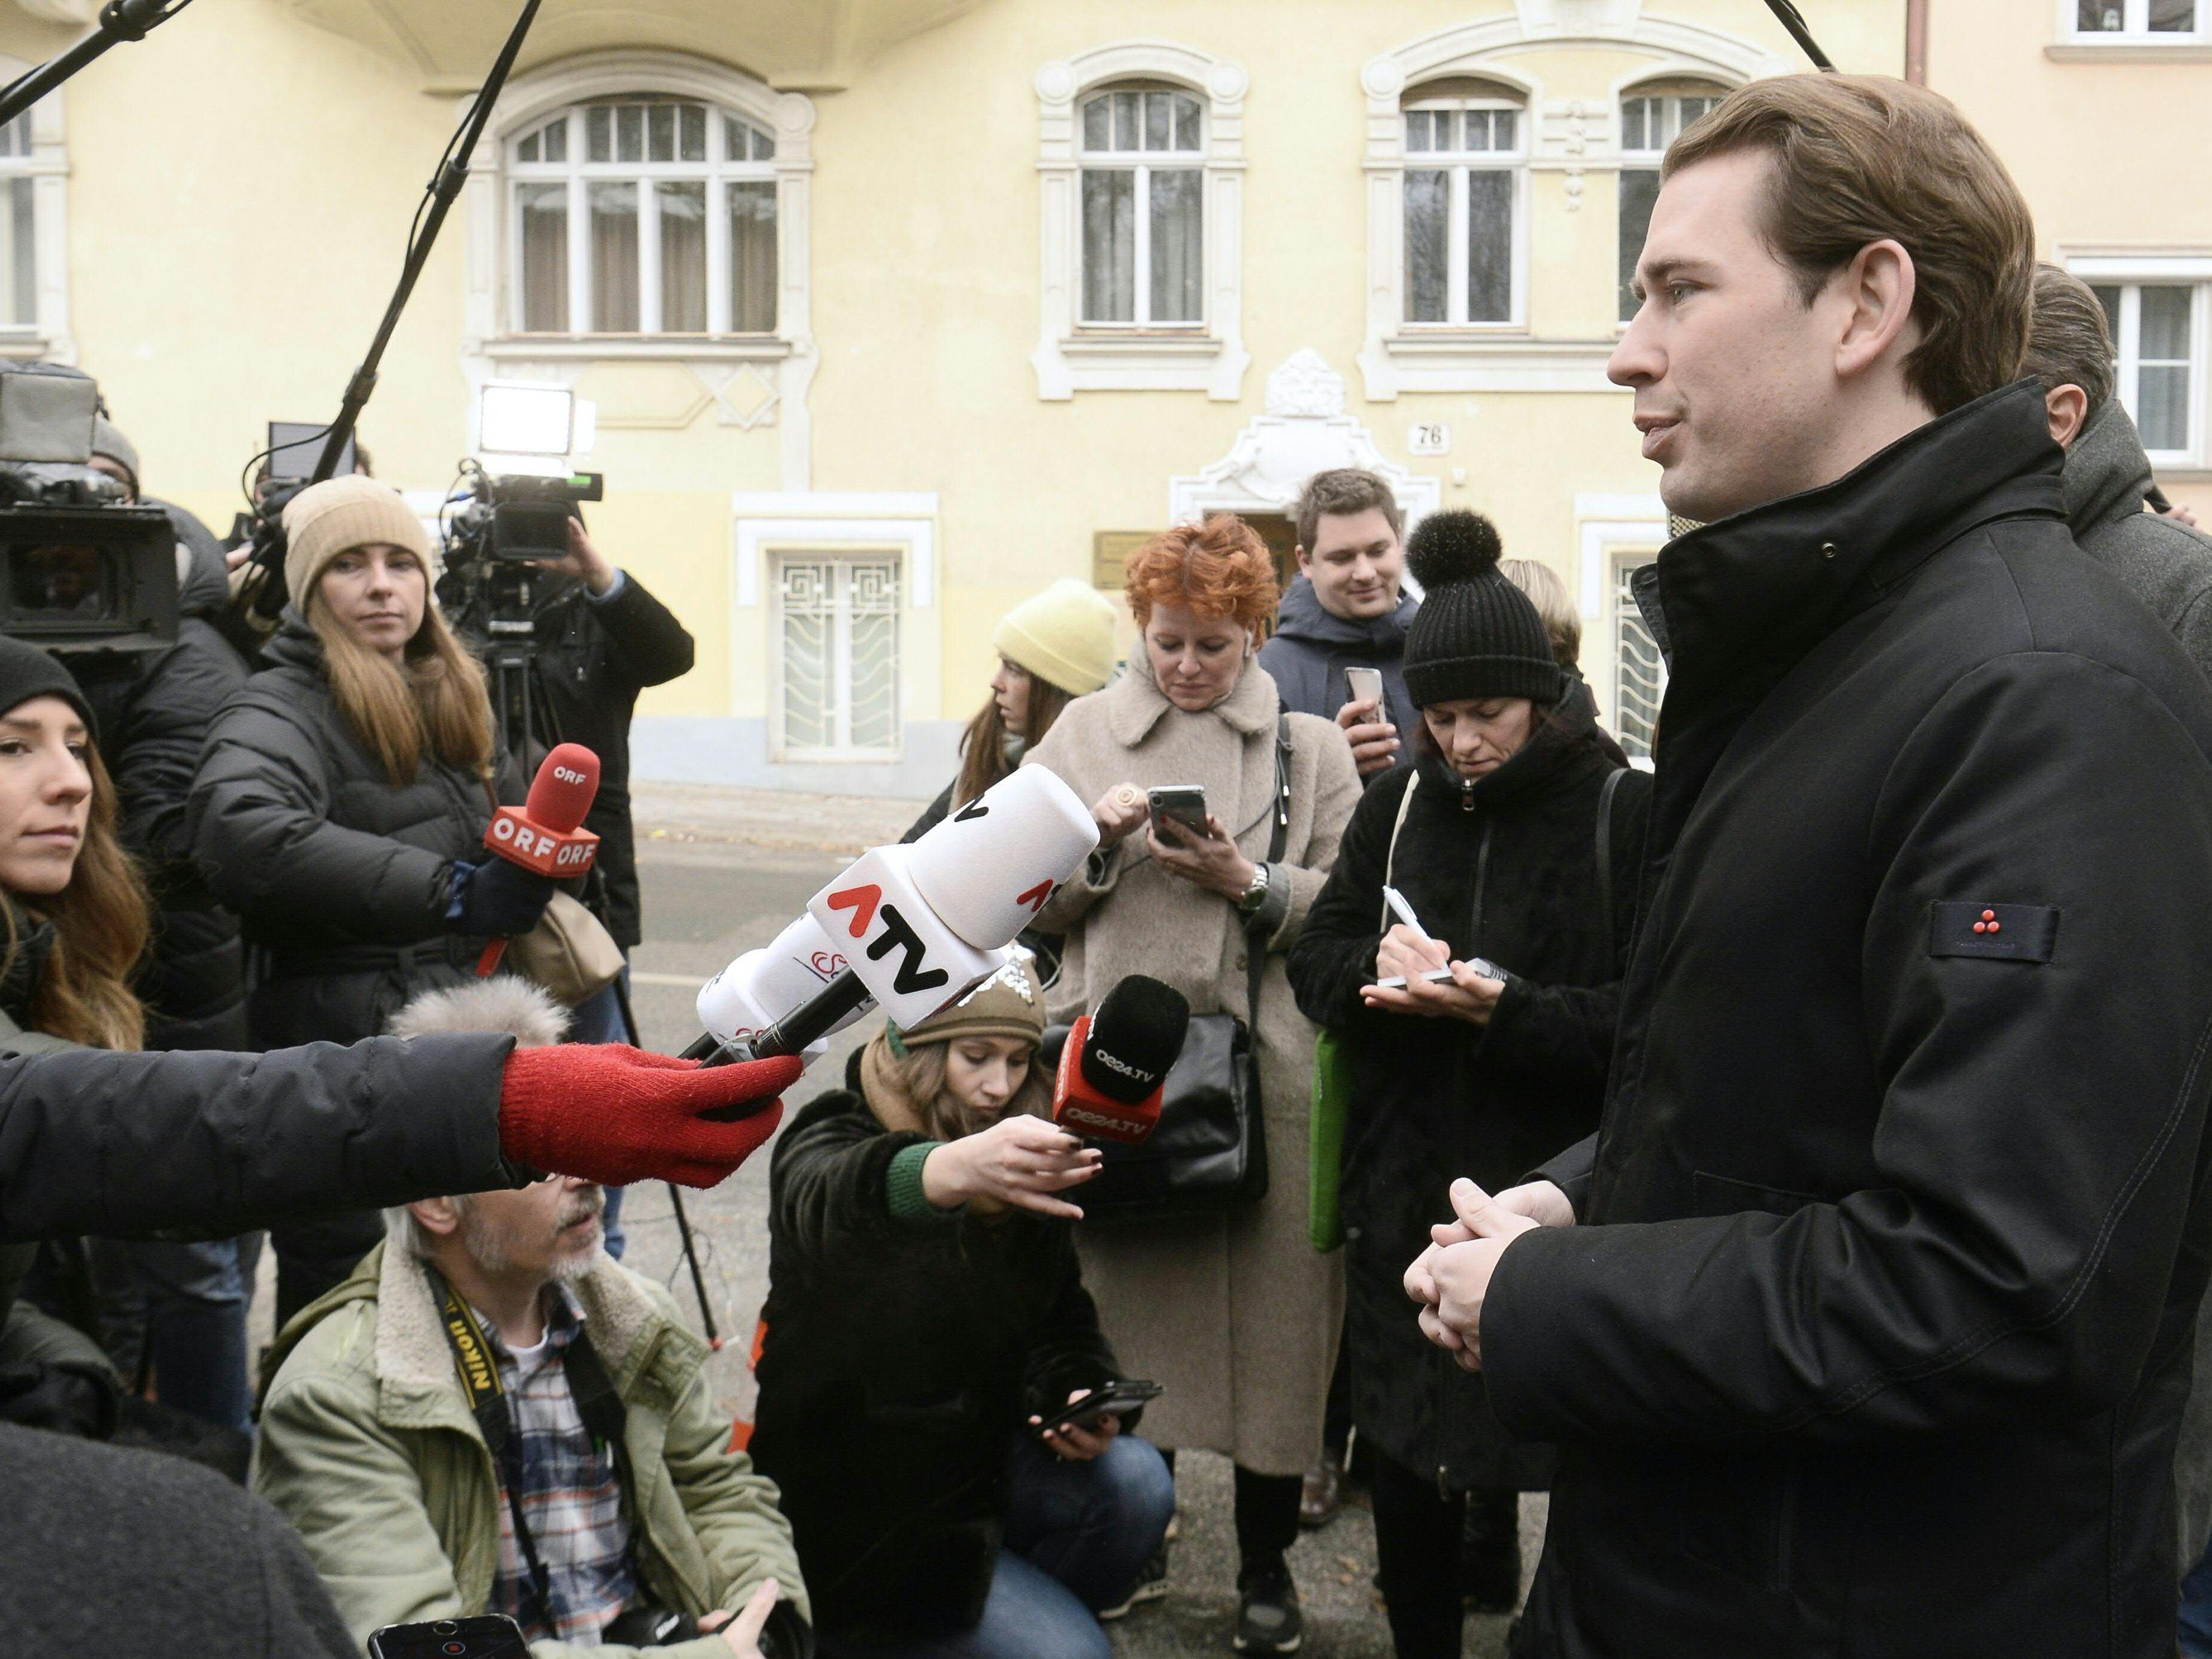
{"points": [[80, 570]]}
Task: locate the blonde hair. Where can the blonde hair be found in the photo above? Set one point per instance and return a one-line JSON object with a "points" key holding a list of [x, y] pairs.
{"points": [[436, 702], [1563, 624], [102, 920]]}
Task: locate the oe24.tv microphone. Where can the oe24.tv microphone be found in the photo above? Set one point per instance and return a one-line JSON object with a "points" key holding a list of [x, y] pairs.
{"points": [[1117, 1061], [545, 834], [920, 926]]}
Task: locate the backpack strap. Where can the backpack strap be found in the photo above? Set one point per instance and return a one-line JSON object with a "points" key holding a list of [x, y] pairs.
{"points": [[1605, 795]]}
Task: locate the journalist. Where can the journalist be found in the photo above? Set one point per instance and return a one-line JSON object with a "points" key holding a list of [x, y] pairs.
{"points": [[611, 1512], [1348, 608], [1513, 839], [174, 1310], [925, 1309], [1864, 1321], [1234, 1313], [340, 804]]}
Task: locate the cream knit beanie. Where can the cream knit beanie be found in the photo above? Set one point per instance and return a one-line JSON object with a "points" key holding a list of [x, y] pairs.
{"points": [[326, 520], [1065, 634]]}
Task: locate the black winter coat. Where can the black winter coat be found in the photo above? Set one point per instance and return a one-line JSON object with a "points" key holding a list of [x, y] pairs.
{"points": [[594, 657], [900, 1360], [1505, 867], [153, 713], [340, 875], [1311, 646], [1876, 1337]]}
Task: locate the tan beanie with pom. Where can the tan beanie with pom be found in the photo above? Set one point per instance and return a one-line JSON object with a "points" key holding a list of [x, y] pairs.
{"points": [[327, 519]]}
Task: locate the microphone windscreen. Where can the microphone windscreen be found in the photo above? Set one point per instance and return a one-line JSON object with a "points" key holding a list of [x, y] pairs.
{"points": [[1134, 1038], [562, 792]]}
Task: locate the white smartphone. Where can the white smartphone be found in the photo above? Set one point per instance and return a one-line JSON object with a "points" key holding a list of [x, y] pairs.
{"points": [[1366, 685], [1481, 965]]}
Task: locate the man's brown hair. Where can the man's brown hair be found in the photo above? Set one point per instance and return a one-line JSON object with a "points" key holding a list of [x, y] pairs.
{"points": [[2071, 342], [1863, 158], [1343, 490]]}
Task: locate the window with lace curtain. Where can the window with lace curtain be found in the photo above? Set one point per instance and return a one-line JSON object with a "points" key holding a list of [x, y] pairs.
{"points": [[1467, 154], [1652, 116], [1143, 161], [19, 238], [643, 216]]}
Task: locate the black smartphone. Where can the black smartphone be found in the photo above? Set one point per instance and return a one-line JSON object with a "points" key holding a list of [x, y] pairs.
{"points": [[1184, 803], [1115, 1400], [492, 1636]]}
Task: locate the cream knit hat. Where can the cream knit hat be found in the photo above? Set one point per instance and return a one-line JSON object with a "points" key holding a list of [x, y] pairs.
{"points": [[1065, 634], [326, 520]]}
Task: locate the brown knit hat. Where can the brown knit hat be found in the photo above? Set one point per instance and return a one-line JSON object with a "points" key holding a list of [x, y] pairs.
{"points": [[327, 519], [1006, 1005]]}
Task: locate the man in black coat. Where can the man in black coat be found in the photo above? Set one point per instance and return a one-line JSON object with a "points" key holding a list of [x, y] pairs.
{"points": [[1874, 1332]]}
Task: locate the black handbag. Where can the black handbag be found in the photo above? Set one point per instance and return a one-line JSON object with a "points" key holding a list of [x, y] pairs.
{"points": [[1209, 1155]]}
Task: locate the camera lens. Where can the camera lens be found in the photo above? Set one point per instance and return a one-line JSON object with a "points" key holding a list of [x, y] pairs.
{"points": [[446, 1627]]}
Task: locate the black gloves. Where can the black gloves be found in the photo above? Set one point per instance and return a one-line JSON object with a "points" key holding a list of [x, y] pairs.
{"points": [[498, 900]]}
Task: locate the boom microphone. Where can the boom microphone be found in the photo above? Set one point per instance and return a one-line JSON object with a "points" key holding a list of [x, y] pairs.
{"points": [[1117, 1061], [544, 835], [920, 926]]}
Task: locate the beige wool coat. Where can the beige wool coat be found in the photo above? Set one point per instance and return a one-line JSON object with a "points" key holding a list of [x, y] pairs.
{"points": [[1238, 1316]]}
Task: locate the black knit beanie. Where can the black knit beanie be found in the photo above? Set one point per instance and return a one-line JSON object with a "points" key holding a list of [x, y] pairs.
{"points": [[26, 672], [1475, 634]]}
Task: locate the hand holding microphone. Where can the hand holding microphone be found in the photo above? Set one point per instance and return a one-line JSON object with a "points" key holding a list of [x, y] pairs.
{"points": [[616, 1114], [533, 847]]}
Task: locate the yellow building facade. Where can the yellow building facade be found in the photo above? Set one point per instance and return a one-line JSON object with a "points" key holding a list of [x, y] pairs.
{"points": [[890, 311]]}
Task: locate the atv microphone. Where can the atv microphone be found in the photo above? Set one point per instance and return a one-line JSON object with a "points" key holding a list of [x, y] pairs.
{"points": [[1115, 1064], [918, 927], [545, 834]]}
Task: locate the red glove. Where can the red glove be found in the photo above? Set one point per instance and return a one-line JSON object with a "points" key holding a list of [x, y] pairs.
{"points": [[616, 1114]]}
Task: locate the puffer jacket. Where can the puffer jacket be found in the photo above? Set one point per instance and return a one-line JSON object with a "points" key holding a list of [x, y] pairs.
{"points": [[1504, 868], [341, 875], [1311, 647], [903, 1348], [367, 1446], [153, 713]]}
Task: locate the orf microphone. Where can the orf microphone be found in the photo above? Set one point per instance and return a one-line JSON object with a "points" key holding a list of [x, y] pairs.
{"points": [[1117, 1061], [545, 834]]}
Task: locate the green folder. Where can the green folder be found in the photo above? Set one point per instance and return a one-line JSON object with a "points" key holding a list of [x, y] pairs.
{"points": [[1332, 1100]]}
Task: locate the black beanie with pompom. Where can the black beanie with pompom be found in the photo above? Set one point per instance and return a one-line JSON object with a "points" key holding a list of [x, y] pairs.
{"points": [[1475, 634]]}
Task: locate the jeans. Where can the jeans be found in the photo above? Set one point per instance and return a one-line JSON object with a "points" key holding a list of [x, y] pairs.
{"points": [[600, 1019], [1076, 1534], [2197, 1611], [193, 1298]]}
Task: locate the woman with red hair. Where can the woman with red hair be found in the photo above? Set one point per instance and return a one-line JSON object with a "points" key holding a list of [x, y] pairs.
{"points": [[1236, 1314]]}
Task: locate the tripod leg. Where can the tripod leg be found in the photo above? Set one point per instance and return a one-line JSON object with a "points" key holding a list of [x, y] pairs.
{"points": [[675, 1193]]}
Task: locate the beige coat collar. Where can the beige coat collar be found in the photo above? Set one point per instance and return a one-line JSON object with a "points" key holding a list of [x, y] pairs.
{"points": [[1135, 701]]}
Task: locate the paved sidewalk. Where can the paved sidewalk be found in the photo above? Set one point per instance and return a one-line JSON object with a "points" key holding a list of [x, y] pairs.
{"points": [[710, 814]]}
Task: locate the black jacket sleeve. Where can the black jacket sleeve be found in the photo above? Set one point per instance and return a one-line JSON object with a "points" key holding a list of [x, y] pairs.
{"points": [[1563, 1034], [259, 822], [172, 710], [1070, 1352], [829, 1179], [932, 814], [217, 1144], [2037, 1150], [652, 646], [1335, 954]]}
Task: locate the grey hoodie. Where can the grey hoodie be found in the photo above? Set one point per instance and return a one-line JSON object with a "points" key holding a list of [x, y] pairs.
{"points": [[1312, 648]]}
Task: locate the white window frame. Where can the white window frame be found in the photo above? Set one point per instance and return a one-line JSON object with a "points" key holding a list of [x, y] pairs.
{"points": [[1572, 138], [1645, 158], [1457, 164], [2134, 273], [1141, 163], [1071, 356], [2135, 30], [716, 173], [47, 334]]}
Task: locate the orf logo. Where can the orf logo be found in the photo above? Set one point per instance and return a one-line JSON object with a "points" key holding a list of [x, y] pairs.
{"points": [[568, 774]]}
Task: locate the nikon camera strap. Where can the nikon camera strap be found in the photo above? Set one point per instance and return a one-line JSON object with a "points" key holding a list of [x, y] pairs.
{"points": [[596, 1404]]}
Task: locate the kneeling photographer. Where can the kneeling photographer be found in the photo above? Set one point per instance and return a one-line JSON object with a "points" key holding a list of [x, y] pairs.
{"points": [[926, 1328]]}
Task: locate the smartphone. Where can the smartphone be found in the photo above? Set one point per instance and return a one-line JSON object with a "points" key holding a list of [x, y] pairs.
{"points": [[1367, 687], [1185, 803], [1115, 1400], [493, 1636], [1482, 965]]}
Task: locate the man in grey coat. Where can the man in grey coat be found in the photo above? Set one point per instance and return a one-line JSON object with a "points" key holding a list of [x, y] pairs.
{"points": [[2168, 567]]}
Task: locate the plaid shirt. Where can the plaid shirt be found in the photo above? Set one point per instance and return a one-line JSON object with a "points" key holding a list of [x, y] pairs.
{"points": [[571, 1496]]}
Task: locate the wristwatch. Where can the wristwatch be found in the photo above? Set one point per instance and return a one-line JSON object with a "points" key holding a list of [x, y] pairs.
{"points": [[1256, 895]]}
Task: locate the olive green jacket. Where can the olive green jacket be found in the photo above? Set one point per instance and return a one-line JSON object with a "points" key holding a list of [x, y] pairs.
{"points": [[368, 1448]]}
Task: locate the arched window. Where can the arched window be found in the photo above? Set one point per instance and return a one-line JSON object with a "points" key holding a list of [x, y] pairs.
{"points": [[1652, 116], [1467, 156], [644, 215], [1142, 153]]}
